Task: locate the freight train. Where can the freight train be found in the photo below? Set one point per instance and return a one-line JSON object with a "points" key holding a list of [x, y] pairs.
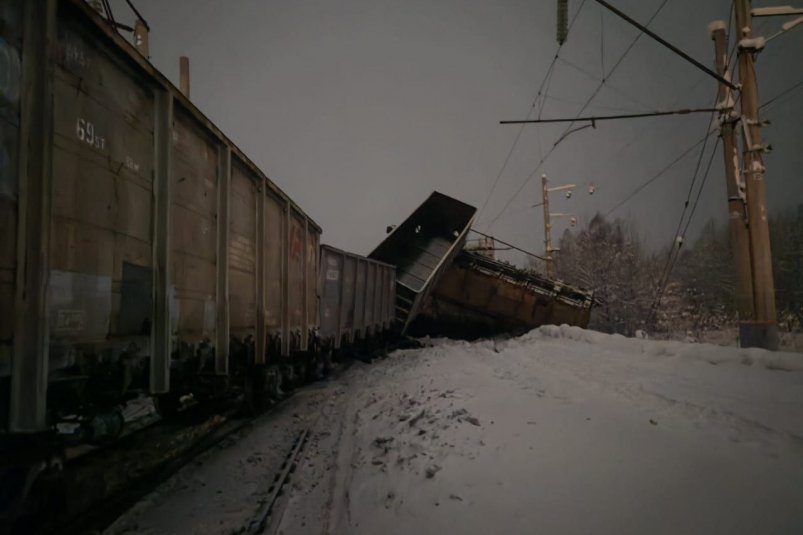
{"points": [[143, 253]]}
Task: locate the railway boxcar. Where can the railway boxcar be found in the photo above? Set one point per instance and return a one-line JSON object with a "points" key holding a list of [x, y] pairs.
{"points": [[356, 297], [479, 296], [140, 250], [421, 248]]}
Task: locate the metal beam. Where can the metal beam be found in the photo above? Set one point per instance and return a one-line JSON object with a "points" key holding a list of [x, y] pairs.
{"points": [[160, 333], [594, 119], [261, 272], [779, 11], [223, 209], [29, 366]]}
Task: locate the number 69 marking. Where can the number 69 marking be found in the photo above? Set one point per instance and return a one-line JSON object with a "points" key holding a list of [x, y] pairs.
{"points": [[85, 131]]}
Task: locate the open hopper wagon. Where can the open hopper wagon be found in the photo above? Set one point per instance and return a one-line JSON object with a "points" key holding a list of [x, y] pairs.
{"points": [[479, 296], [421, 248]]}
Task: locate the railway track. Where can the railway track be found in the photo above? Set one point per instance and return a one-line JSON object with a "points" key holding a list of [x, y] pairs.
{"points": [[269, 515], [106, 482]]}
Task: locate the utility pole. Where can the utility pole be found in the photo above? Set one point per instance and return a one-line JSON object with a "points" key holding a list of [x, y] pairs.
{"points": [[762, 330], [184, 75], [739, 235], [548, 249], [550, 267]]}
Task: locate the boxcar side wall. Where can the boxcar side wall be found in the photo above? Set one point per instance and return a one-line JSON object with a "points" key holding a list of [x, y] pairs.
{"points": [[353, 292], [162, 237]]}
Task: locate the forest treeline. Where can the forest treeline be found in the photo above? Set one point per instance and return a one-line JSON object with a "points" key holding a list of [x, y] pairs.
{"points": [[691, 290]]}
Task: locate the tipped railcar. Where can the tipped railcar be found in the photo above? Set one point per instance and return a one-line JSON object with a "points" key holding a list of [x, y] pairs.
{"points": [[421, 248]]}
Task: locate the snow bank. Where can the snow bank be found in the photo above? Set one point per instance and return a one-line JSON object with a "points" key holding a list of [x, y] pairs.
{"points": [[713, 354]]}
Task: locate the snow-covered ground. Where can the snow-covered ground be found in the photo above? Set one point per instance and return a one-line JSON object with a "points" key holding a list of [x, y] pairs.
{"points": [[559, 431]]}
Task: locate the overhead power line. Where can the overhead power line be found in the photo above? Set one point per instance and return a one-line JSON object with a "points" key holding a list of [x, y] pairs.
{"points": [[783, 93], [674, 252], [666, 43], [594, 119], [541, 94], [569, 127], [660, 173]]}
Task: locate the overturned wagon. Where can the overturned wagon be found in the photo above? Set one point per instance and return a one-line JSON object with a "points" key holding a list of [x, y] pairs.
{"points": [[421, 248], [479, 296]]}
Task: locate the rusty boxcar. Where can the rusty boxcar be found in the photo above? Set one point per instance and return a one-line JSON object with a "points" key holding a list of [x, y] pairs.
{"points": [[479, 296], [357, 296], [141, 250], [421, 248]]}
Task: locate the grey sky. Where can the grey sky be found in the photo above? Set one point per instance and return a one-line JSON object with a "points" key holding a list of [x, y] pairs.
{"points": [[360, 108]]}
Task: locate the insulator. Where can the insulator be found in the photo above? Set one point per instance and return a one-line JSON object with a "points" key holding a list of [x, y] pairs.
{"points": [[563, 20]]}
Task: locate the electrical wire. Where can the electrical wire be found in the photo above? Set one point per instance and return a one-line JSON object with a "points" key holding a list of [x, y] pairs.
{"points": [[660, 173], [782, 94], [674, 252], [614, 88], [538, 96], [569, 127]]}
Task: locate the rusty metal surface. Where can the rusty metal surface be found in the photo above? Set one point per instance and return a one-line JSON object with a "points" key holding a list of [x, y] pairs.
{"points": [[478, 293], [313, 246], [421, 248], [296, 274], [243, 252], [102, 188], [126, 52], [194, 189], [274, 272], [127, 239]]}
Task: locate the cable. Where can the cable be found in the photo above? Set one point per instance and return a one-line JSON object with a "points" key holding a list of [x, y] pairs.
{"points": [[660, 173], [602, 41], [137, 13], [702, 186], [676, 250], [614, 88], [547, 76], [562, 136], [691, 188], [782, 94]]}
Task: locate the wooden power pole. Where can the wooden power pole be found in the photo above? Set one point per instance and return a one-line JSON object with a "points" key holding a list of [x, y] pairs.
{"points": [[550, 266], [762, 329], [739, 235], [548, 249]]}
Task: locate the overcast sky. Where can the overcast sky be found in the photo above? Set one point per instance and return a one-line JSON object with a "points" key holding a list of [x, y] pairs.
{"points": [[358, 109]]}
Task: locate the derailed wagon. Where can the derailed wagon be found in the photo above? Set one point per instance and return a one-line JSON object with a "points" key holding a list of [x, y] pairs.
{"points": [[479, 296], [421, 248]]}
